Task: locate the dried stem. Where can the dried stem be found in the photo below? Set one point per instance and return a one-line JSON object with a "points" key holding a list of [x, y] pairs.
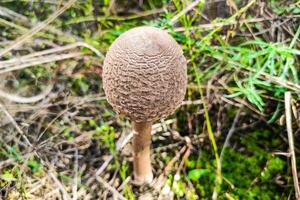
{"points": [[19, 41], [141, 153], [288, 117]]}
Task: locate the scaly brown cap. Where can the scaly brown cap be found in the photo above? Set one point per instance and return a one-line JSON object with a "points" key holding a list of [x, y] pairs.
{"points": [[144, 74]]}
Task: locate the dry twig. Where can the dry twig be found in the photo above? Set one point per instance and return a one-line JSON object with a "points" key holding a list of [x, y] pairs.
{"points": [[109, 187], [53, 177], [288, 118]]}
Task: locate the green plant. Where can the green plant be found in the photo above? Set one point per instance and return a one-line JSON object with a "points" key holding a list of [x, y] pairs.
{"points": [[127, 188]]}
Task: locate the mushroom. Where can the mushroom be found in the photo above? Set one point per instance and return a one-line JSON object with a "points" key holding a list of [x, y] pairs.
{"points": [[144, 78]]}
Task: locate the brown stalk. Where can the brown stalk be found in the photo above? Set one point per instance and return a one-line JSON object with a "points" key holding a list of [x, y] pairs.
{"points": [[141, 152]]}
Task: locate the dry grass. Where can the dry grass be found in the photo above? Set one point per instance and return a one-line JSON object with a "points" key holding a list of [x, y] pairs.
{"points": [[61, 138]]}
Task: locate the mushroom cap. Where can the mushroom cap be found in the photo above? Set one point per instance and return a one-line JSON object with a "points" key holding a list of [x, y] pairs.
{"points": [[144, 74]]}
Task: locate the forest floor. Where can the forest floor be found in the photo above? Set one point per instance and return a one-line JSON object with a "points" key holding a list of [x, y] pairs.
{"points": [[235, 136]]}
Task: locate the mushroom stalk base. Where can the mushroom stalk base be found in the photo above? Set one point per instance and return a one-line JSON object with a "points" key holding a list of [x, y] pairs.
{"points": [[141, 153]]}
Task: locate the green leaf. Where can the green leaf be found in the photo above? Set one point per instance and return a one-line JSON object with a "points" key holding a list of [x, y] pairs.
{"points": [[8, 176], [195, 174], [33, 165]]}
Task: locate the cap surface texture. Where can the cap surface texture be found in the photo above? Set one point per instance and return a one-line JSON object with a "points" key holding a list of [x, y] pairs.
{"points": [[144, 74]]}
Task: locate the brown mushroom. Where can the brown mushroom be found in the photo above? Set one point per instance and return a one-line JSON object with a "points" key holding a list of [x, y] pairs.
{"points": [[144, 78]]}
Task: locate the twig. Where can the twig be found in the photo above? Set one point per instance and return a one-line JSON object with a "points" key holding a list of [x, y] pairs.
{"points": [[162, 179], [75, 176], [37, 185], [170, 164], [19, 41], [120, 144], [226, 143], [78, 102], [60, 186], [288, 117], [229, 134], [282, 154], [57, 182], [12, 120], [109, 187]]}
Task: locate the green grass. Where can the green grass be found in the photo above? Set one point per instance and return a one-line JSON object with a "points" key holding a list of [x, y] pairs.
{"points": [[225, 69]]}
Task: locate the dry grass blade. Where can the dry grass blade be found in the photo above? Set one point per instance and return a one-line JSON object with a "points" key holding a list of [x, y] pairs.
{"points": [[19, 99], [60, 186], [11, 14], [11, 161], [110, 188], [32, 56], [211, 26], [184, 11], [19, 18], [12, 120], [75, 196], [19, 41], [288, 118], [120, 144], [53, 177], [42, 60]]}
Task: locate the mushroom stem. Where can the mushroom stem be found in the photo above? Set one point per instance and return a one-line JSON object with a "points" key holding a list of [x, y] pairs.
{"points": [[141, 153]]}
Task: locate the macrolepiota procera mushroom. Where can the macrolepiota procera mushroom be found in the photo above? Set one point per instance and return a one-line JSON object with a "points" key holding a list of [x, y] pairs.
{"points": [[144, 78]]}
